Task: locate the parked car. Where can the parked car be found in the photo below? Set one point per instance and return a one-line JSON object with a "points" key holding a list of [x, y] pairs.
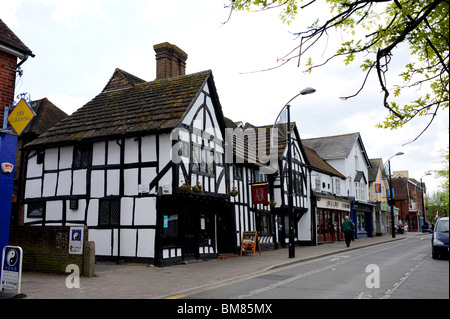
{"points": [[439, 239]]}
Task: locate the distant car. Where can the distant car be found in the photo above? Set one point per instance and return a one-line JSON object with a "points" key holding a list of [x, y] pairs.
{"points": [[439, 239]]}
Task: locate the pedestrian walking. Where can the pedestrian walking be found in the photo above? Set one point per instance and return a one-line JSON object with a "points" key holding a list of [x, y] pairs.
{"points": [[347, 227]]}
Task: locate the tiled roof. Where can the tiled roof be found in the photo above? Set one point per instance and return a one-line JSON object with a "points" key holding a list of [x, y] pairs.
{"points": [[8, 38], [319, 164], [332, 147], [122, 80], [47, 115], [143, 108]]}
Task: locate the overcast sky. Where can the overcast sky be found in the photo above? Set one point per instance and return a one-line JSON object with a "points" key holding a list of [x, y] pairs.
{"points": [[78, 44]]}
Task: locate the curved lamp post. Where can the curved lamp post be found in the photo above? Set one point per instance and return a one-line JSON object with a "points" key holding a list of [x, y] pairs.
{"points": [[287, 106]]}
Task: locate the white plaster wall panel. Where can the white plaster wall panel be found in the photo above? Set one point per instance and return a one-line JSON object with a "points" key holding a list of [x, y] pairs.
{"points": [[165, 145], [216, 132], [148, 148], [33, 168], [115, 240], [64, 183], [304, 227], [65, 157], [51, 159], [97, 183], [113, 182], [53, 210], [128, 242], [102, 239], [206, 88], [209, 128], [76, 214], [113, 153], [92, 213], [33, 188], [131, 181], [183, 134], [79, 182], [98, 153], [146, 243], [148, 174], [190, 115], [166, 253], [222, 185], [50, 184], [126, 210], [145, 211], [131, 151]]}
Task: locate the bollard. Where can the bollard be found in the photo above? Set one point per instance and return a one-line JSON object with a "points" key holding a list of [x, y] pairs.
{"points": [[89, 259]]}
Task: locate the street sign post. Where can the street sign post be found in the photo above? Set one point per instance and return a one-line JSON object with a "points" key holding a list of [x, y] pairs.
{"points": [[11, 276]]}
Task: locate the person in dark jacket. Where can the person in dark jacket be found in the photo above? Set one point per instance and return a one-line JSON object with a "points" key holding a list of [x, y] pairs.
{"points": [[347, 227]]}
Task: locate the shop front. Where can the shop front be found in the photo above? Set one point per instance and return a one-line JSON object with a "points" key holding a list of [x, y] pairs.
{"points": [[382, 218], [193, 228], [329, 217], [363, 218]]}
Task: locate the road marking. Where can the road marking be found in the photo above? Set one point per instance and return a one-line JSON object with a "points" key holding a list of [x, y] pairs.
{"points": [[388, 294], [176, 297]]}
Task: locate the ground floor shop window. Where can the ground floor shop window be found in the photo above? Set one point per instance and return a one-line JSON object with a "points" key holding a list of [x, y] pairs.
{"points": [[264, 224], [171, 238], [361, 221], [329, 225]]}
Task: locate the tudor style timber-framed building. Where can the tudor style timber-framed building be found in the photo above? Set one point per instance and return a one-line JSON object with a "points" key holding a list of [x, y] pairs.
{"points": [[120, 174]]}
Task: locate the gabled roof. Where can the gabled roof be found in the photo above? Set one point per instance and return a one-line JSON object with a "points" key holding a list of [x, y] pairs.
{"points": [[318, 164], [122, 80], [47, 115], [359, 175], [9, 39], [376, 164], [145, 107], [336, 147]]}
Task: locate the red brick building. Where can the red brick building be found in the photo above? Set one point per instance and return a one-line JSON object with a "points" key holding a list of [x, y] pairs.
{"points": [[11, 49], [408, 195]]}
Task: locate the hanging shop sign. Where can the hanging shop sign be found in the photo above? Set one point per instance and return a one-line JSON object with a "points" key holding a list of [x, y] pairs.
{"points": [[20, 117], [260, 194]]}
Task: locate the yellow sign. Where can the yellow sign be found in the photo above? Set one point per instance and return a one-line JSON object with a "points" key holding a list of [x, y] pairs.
{"points": [[21, 117]]}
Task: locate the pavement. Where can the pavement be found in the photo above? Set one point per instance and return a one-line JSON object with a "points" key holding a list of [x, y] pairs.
{"points": [[139, 281]]}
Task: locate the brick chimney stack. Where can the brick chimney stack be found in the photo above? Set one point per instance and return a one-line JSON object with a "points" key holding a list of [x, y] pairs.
{"points": [[170, 61]]}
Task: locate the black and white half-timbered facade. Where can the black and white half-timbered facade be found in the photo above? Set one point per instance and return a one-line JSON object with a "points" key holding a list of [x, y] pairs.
{"points": [[116, 165], [279, 182], [143, 166], [265, 171]]}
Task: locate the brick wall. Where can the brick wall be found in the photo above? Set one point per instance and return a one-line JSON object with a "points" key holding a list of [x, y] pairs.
{"points": [[7, 81], [170, 61], [45, 249]]}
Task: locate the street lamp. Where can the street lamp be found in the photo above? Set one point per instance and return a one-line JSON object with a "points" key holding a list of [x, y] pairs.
{"points": [[423, 201], [287, 106], [391, 200]]}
